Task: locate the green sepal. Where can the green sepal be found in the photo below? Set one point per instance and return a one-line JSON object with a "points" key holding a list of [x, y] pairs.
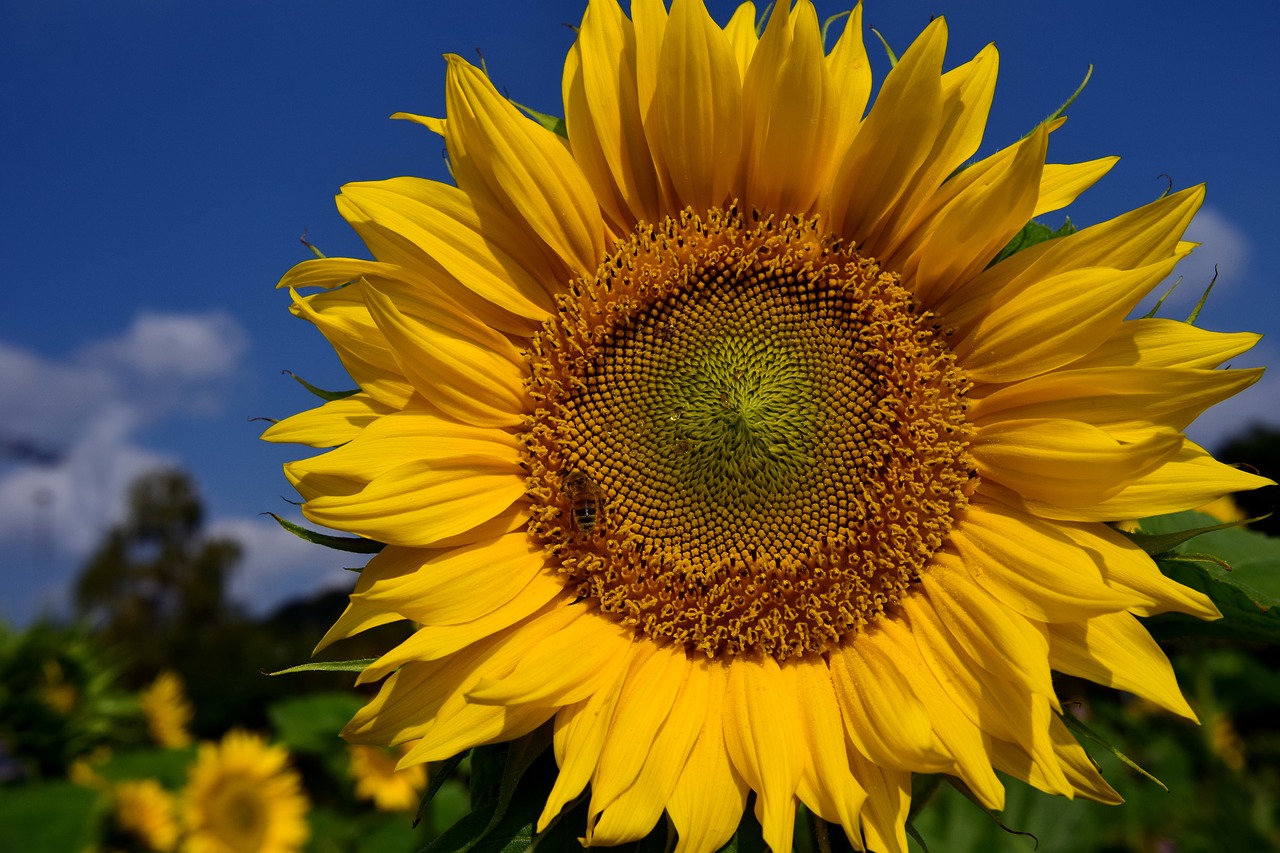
{"points": [[1162, 544], [357, 665], [438, 775], [995, 816], [1073, 723], [351, 544], [893, 57], [1204, 297], [552, 123], [328, 396], [1031, 234], [826, 25], [1058, 113]]}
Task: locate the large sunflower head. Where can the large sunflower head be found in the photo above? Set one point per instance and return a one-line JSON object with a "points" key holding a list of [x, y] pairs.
{"points": [[242, 797], [711, 432]]}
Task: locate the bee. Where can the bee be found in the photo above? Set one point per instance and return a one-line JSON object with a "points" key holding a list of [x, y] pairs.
{"points": [[586, 500]]}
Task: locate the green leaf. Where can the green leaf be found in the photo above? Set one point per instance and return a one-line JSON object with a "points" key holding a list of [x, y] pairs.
{"points": [[311, 723], [496, 774], [351, 544], [1031, 234], [55, 817], [167, 766], [329, 396], [357, 665], [1247, 593], [552, 123]]}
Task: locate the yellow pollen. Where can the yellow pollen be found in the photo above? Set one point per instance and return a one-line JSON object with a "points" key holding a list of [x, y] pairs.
{"points": [[746, 437]]}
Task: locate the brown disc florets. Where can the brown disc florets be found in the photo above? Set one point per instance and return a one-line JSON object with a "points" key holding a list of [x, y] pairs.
{"points": [[746, 437]]}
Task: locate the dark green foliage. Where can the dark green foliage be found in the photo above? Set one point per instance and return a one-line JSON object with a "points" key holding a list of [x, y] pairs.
{"points": [[1257, 449]]}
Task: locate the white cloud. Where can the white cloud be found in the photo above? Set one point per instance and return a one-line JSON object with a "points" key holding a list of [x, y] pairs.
{"points": [[1223, 246], [78, 417], [180, 347]]}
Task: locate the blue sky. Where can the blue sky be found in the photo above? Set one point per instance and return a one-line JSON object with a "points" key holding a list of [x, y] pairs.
{"points": [[162, 157]]}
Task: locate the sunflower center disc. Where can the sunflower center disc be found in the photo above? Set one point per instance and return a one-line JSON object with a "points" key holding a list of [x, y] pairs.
{"points": [[745, 437]]}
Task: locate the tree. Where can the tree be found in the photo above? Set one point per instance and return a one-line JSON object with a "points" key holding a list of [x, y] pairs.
{"points": [[155, 588]]}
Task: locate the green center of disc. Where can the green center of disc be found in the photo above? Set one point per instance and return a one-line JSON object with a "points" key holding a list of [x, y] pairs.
{"points": [[745, 437]]}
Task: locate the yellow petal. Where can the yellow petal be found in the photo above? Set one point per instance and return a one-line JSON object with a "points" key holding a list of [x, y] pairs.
{"points": [[652, 684], [1156, 342], [707, 802], [580, 732], [1066, 462], [961, 738], [441, 223], [968, 233], [635, 812], [1062, 183], [1115, 399], [1139, 238], [1031, 567], [1189, 479], [827, 784], [435, 125], [523, 165], [698, 106], [761, 715], [1116, 651], [446, 587], [789, 115], [965, 103], [468, 370], [460, 724], [393, 440], [561, 669], [741, 32], [421, 503], [343, 318], [1127, 567], [884, 817], [850, 81], [606, 117], [1059, 319], [987, 629], [354, 619], [438, 641], [908, 110], [883, 716], [336, 422]]}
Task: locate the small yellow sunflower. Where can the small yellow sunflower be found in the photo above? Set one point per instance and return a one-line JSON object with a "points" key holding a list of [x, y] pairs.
{"points": [[146, 813], [242, 797], [377, 779], [711, 434], [167, 711]]}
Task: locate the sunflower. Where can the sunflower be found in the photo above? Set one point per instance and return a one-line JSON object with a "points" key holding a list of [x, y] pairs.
{"points": [[145, 813], [711, 434], [242, 797], [377, 779], [167, 711]]}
